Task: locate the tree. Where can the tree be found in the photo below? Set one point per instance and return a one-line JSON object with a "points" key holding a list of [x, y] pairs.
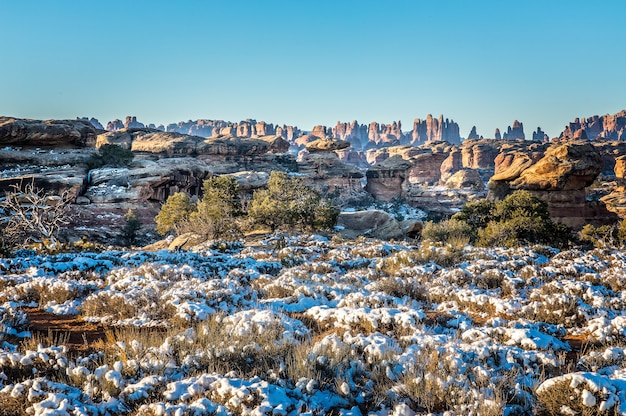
{"points": [[34, 216], [174, 213], [111, 155], [129, 231], [216, 213], [289, 203]]}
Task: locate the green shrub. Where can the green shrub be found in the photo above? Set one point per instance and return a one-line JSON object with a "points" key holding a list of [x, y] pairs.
{"points": [[289, 203], [520, 218], [110, 155], [453, 231], [129, 231], [215, 214], [174, 213]]}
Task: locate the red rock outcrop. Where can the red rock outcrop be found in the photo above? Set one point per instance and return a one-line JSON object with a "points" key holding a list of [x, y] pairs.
{"points": [[473, 134], [608, 126], [559, 178]]}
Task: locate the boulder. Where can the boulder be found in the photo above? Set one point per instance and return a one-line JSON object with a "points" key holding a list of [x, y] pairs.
{"points": [[465, 179], [385, 180], [326, 145], [46, 133], [370, 223], [570, 166], [249, 181], [186, 241]]}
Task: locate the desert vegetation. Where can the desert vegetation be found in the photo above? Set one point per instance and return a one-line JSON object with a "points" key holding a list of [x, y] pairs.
{"points": [[287, 203], [311, 325]]}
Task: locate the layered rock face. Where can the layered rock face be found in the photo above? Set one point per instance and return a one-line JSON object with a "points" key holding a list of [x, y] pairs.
{"points": [[559, 178], [46, 133], [432, 129], [323, 170], [176, 144], [479, 154], [608, 126]]}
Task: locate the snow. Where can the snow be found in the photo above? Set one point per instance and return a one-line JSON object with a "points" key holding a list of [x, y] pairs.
{"points": [[319, 326]]}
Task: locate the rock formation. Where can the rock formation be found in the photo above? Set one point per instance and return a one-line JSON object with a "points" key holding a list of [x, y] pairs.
{"points": [[497, 134], [355, 133], [479, 154], [559, 178], [609, 126], [432, 129], [616, 200], [115, 125], [540, 136], [320, 132], [94, 122], [515, 132], [48, 133], [473, 135], [171, 144], [132, 123], [465, 179]]}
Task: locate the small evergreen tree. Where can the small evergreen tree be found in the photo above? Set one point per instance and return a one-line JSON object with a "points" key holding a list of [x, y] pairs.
{"points": [[289, 203], [216, 214], [174, 214], [129, 231], [111, 155]]}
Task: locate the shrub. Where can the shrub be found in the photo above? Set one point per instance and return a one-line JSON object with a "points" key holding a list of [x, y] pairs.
{"points": [[453, 231], [214, 216], [33, 216], [476, 214], [129, 231], [174, 213], [289, 203], [110, 155]]}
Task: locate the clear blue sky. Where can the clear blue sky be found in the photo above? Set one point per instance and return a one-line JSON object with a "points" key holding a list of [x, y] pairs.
{"points": [[315, 62]]}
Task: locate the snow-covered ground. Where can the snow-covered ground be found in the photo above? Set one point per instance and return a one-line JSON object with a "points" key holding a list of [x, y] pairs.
{"points": [[308, 325]]}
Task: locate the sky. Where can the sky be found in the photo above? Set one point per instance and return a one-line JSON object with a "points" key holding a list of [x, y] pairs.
{"points": [[304, 63]]}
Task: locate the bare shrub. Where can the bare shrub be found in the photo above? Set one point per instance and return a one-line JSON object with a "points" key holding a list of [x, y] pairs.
{"points": [[34, 216]]}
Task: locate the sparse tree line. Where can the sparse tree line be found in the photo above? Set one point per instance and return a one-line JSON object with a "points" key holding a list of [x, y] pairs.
{"points": [[286, 204], [519, 219], [32, 218]]}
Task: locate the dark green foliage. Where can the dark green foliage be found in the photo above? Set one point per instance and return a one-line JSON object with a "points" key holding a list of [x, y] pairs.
{"points": [[288, 203], [110, 155], [604, 235], [215, 215], [518, 219], [129, 231], [476, 213]]}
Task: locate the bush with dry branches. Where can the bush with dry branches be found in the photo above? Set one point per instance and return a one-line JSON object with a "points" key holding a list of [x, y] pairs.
{"points": [[33, 216]]}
